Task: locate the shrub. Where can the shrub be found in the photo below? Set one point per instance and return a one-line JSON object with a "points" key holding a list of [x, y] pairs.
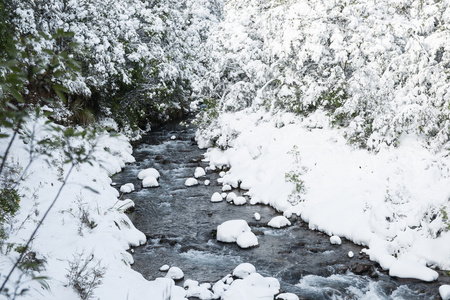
{"points": [[83, 277]]}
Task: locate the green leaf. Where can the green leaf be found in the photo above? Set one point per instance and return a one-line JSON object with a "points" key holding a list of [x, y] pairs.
{"points": [[13, 93]]}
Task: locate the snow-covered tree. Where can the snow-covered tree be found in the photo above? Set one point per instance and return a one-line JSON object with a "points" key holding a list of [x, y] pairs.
{"points": [[134, 54], [380, 68]]}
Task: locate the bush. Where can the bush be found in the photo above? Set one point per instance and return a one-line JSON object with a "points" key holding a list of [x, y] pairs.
{"points": [[83, 277], [9, 205]]}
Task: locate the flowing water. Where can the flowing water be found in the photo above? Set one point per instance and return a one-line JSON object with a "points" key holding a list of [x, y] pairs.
{"points": [[180, 224]]}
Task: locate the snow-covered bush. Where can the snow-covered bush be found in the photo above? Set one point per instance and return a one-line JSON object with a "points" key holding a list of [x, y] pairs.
{"points": [[84, 275]]}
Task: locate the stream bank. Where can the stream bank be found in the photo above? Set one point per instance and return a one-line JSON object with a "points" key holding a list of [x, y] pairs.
{"points": [[180, 224]]}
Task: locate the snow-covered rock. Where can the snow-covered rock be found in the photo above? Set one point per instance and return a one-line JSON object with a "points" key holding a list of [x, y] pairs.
{"points": [[231, 196], [191, 182], [444, 291], [406, 268], [219, 288], [287, 296], [239, 200], [201, 291], [127, 188], [350, 254], [252, 287], [199, 172], [229, 231], [257, 216], [207, 182], [226, 188], [175, 273], [243, 270], [164, 268], [150, 181], [148, 172], [247, 240], [216, 197], [335, 240], [279, 221]]}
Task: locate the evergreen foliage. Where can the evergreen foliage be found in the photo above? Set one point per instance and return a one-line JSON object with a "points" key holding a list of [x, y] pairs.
{"points": [[137, 58]]}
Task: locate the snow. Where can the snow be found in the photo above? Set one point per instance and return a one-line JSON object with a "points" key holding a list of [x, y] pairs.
{"points": [[247, 240], [279, 221], [191, 182], [444, 291], [350, 254], [216, 197], [207, 182], [175, 273], [243, 270], [252, 287], [257, 216], [127, 188], [199, 172], [239, 200], [229, 231], [406, 268], [373, 168], [226, 188], [164, 268], [231, 196], [335, 240], [194, 289], [64, 237], [148, 172], [287, 296], [124, 205], [389, 201], [150, 181]]}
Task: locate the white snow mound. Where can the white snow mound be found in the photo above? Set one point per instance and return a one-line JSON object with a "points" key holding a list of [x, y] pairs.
{"points": [[199, 172], [247, 240], [406, 268], [278, 222], [216, 197], [252, 287], [335, 240], [127, 188], [148, 172], [229, 231], [150, 181], [243, 270], [191, 182], [175, 273], [287, 296], [444, 291], [239, 201], [164, 268], [231, 196]]}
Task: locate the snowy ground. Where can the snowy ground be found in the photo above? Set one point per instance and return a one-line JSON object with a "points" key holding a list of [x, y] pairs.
{"points": [[394, 202], [82, 226]]}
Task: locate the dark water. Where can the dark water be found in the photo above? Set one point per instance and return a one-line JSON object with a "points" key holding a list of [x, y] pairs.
{"points": [[180, 224]]}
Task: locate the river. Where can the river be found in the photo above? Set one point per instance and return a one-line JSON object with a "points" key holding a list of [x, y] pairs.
{"points": [[180, 224]]}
